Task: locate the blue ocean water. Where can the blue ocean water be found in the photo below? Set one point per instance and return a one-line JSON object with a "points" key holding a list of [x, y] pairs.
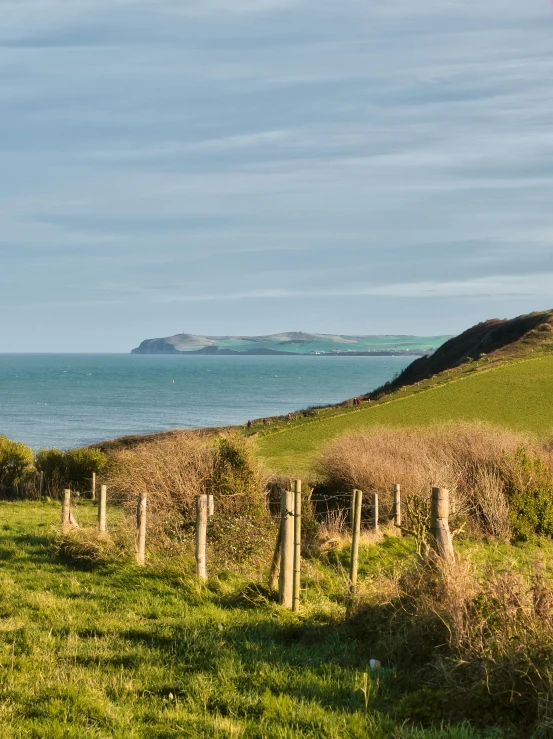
{"points": [[54, 400]]}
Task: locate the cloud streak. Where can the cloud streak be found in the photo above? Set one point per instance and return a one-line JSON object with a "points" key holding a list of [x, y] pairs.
{"points": [[367, 166]]}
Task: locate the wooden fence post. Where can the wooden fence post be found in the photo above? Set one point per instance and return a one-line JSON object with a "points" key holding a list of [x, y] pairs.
{"points": [[397, 505], [141, 528], [67, 518], [66, 509], [287, 550], [201, 536], [375, 512], [297, 546], [275, 562], [440, 536], [356, 533], [93, 486], [102, 509], [41, 483], [210, 505]]}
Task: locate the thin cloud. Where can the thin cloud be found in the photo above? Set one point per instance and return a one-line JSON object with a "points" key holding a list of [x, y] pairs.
{"points": [[292, 154]]}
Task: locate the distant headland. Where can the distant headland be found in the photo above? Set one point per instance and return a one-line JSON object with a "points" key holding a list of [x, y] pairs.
{"points": [[293, 343]]}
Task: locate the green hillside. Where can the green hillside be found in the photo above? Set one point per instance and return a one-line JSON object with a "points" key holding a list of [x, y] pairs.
{"points": [[496, 341], [518, 395]]}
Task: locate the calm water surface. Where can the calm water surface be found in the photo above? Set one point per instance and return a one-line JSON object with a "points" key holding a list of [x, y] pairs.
{"points": [[68, 400]]}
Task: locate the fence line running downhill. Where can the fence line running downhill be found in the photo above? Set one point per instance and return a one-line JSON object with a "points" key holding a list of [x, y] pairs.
{"points": [[285, 568]]}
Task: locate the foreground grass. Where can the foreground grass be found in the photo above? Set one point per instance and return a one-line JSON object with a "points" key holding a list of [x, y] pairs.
{"points": [[118, 651], [518, 396]]}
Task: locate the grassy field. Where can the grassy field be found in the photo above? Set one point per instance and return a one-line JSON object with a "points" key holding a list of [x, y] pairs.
{"points": [[119, 651], [517, 395]]}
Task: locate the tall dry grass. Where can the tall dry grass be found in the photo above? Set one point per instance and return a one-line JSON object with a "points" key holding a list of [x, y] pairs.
{"points": [[480, 465], [483, 644]]}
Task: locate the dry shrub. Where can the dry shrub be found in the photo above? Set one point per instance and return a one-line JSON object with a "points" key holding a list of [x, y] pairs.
{"points": [[483, 645], [489, 491], [335, 525], [483, 467], [85, 547], [498, 655], [173, 471]]}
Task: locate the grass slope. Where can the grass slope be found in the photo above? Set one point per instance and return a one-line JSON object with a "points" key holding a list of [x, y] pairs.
{"points": [[498, 341], [517, 395], [127, 652]]}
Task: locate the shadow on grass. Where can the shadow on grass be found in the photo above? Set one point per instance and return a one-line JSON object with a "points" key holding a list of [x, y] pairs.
{"points": [[196, 650], [304, 644], [27, 548], [252, 595], [125, 661]]}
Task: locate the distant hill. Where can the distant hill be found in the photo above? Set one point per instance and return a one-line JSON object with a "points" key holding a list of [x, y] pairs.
{"points": [[498, 372], [294, 342], [495, 340]]}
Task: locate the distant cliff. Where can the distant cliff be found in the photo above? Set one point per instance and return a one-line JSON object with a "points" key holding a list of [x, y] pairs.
{"points": [[495, 341], [295, 342]]}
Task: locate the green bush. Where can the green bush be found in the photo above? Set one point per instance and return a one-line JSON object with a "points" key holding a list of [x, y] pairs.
{"points": [[530, 497], [243, 531], [16, 461], [51, 463], [73, 467], [80, 464]]}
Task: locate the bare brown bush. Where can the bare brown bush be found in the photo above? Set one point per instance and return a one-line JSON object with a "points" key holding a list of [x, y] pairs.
{"points": [[476, 462], [171, 471], [174, 470], [485, 642], [489, 492], [499, 638]]}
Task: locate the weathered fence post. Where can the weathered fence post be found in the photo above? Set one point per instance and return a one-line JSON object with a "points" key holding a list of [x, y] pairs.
{"points": [[67, 518], [356, 533], [275, 562], [297, 546], [210, 505], [440, 536], [141, 528], [66, 509], [93, 486], [375, 512], [397, 505], [201, 536], [102, 509], [41, 483], [287, 550]]}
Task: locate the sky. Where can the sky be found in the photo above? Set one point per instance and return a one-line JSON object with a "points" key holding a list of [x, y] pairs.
{"points": [[253, 166]]}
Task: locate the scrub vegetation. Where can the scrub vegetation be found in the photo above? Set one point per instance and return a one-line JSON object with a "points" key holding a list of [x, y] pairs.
{"points": [[500, 482]]}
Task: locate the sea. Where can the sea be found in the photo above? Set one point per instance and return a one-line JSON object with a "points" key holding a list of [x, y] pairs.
{"points": [[68, 400]]}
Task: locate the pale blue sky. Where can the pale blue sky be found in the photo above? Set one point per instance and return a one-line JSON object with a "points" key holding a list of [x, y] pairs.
{"points": [[250, 166]]}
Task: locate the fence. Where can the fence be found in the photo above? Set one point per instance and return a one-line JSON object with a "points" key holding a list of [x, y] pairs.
{"points": [[285, 569]]}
